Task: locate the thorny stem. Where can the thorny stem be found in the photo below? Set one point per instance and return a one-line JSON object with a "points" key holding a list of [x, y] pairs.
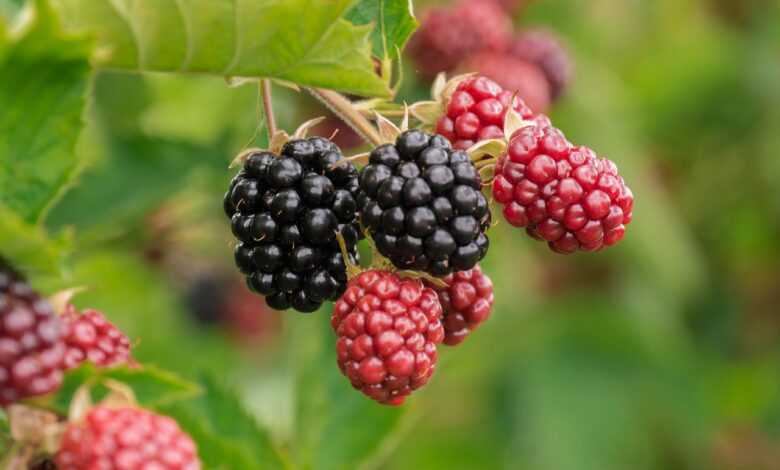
{"points": [[343, 108], [268, 106]]}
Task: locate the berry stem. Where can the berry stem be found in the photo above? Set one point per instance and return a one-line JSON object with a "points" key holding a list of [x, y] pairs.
{"points": [[344, 109], [268, 107]]}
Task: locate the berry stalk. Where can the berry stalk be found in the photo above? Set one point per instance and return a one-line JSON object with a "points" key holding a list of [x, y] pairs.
{"points": [[343, 108], [268, 107]]}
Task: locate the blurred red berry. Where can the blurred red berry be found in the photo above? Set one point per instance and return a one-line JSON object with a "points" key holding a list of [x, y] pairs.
{"points": [[91, 337], [387, 329], [447, 36], [545, 49]]}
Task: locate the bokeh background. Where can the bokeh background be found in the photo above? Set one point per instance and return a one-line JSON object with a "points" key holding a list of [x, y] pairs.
{"points": [[660, 353]]}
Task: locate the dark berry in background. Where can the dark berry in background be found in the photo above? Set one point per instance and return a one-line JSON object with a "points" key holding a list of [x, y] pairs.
{"points": [[545, 49], [447, 36], [422, 204], [32, 349], [285, 211]]}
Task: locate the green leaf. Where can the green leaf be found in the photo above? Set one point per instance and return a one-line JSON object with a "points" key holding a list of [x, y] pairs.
{"points": [[44, 76], [228, 436], [153, 387], [28, 248], [302, 41], [336, 426], [393, 22]]}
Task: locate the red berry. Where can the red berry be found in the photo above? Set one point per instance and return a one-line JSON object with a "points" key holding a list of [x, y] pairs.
{"points": [[562, 194], [467, 301], [31, 345], [388, 329], [517, 75], [476, 112], [91, 337], [126, 438], [447, 36], [544, 49]]}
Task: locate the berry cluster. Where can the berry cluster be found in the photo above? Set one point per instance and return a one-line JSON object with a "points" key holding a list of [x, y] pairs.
{"points": [[562, 194], [388, 329], [476, 35], [466, 302], [31, 347], [91, 337], [422, 204], [126, 438], [286, 210], [475, 111]]}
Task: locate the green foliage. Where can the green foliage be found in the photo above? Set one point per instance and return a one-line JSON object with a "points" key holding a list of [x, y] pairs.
{"points": [[393, 22], [301, 41], [227, 434], [152, 386], [43, 80], [28, 248]]}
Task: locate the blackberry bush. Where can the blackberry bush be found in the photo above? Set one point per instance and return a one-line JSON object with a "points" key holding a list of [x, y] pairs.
{"points": [[387, 329], [285, 211], [422, 203], [32, 350]]}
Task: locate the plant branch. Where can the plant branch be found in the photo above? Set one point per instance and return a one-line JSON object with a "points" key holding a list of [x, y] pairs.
{"points": [[343, 108], [268, 107]]}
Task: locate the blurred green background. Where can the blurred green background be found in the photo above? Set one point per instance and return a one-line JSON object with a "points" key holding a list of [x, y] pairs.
{"points": [[660, 353]]}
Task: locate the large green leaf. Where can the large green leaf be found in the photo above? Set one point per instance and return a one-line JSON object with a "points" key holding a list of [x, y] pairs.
{"points": [[28, 248], [302, 41], [228, 436], [394, 22], [44, 76], [152, 386], [335, 426]]}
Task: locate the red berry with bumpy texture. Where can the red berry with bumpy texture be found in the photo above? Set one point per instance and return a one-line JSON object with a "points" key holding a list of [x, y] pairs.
{"points": [[91, 337], [31, 346], [475, 111], [560, 193], [519, 76], [388, 329], [126, 438], [544, 49], [447, 36], [467, 301]]}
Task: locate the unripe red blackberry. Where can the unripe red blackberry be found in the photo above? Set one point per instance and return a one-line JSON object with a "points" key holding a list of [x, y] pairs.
{"points": [[388, 329], [475, 111], [544, 48], [447, 36], [126, 438], [467, 301], [31, 346], [562, 194], [517, 75], [91, 337], [423, 206], [286, 210]]}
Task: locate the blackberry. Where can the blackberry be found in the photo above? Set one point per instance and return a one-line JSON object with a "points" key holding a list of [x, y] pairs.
{"points": [[466, 302], [387, 329], [544, 48], [285, 211], [91, 337], [127, 437], [421, 202], [560, 193], [32, 349]]}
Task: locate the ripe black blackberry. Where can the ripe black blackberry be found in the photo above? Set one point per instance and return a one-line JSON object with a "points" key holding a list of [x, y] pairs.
{"points": [[286, 210], [422, 204]]}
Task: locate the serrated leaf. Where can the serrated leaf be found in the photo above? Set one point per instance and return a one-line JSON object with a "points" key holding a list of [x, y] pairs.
{"points": [[301, 41], [394, 23], [28, 248], [225, 431], [153, 387], [44, 76]]}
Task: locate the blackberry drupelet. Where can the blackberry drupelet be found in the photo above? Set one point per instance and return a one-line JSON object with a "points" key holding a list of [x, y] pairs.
{"points": [[285, 211], [421, 202]]}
